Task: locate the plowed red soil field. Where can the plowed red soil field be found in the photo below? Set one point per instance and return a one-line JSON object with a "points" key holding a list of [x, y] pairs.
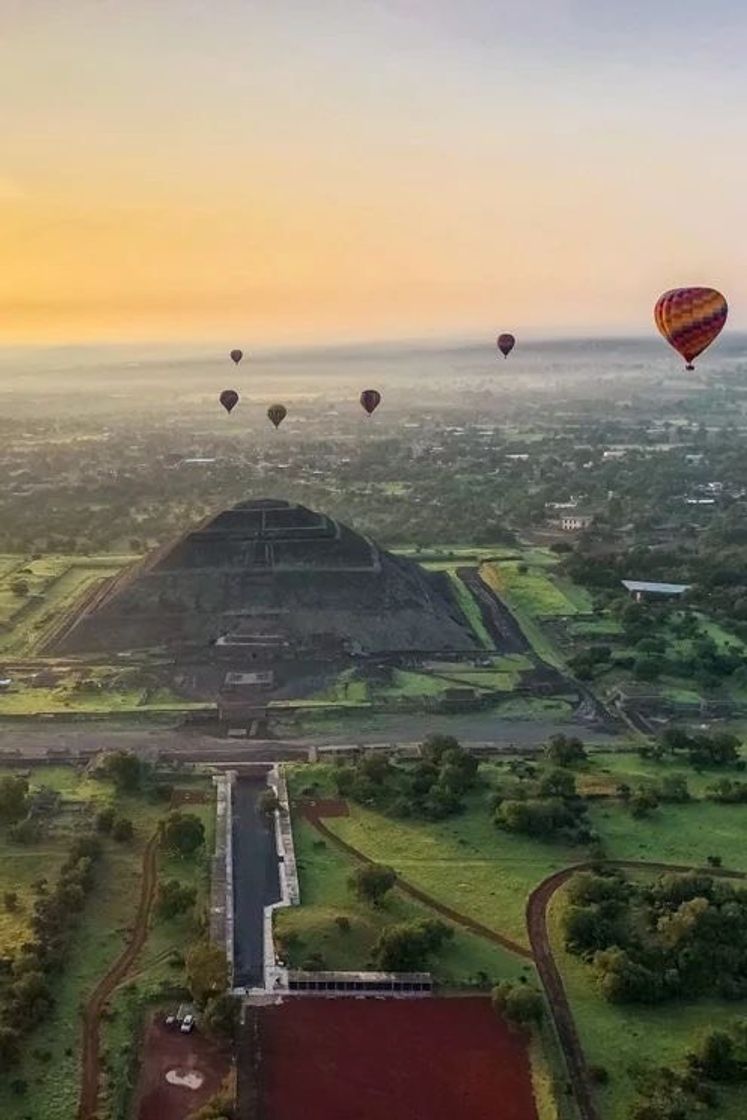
{"points": [[179, 1073], [409, 1059]]}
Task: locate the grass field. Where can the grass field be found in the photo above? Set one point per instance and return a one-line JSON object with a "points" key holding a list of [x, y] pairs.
{"points": [[464, 862], [66, 688], [54, 583], [50, 1064], [493, 575], [623, 1038], [536, 591], [325, 896], [485, 873]]}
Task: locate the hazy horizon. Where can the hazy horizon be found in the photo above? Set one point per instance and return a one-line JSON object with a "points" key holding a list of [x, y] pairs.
{"points": [[307, 171]]}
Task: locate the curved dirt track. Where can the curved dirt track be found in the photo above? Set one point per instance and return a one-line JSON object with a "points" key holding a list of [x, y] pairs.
{"points": [[91, 1072], [550, 977], [427, 899]]}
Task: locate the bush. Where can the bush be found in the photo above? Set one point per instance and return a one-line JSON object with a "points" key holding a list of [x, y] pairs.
{"points": [[518, 1004], [371, 882], [123, 830], [183, 833]]}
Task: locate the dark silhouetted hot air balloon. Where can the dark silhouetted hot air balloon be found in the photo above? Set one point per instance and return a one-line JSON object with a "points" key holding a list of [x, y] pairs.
{"points": [[277, 413], [229, 398], [237, 355], [690, 319], [370, 399], [506, 343]]}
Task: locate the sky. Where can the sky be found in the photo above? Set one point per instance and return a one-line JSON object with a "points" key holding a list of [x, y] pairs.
{"points": [[263, 171]]}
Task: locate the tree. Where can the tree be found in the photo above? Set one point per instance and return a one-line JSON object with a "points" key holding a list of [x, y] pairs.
{"points": [[10, 901], [105, 820], [14, 791], [268, 802], [175, 898], [565, 750], [643, 802], [123, 830], [517, 1003], [183, 833], [221, 1016], [207, 971], [648, 667], [557, 783], [406, 947], [10, 1047], [20, 588], [125, 769], [717, 1058], [372, 881]]}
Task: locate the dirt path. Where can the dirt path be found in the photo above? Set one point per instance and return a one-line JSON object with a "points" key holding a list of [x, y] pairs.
{"points": [[549, 974], [421, 896], [91, 1073]]}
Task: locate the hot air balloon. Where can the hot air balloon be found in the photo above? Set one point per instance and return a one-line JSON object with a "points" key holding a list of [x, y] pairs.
{"points": [[690, 319], [370, 399], [229, 398], [277, 413], [506, 343], [237, 355]]}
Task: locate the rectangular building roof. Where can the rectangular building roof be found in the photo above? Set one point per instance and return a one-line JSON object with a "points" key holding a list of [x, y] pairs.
{"points": [[655, 588]]}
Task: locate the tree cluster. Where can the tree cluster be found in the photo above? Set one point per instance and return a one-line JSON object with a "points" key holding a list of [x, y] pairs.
{"points": [[26, 994], [683, 936], [431, 789], [720, 1058], [545, 806]]}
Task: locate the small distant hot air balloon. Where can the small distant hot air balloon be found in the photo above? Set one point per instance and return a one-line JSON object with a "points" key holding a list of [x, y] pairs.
{"points": [[506, 343], [277, 413], [229, 398], [690, 319], [237, 355], [370, 399]]}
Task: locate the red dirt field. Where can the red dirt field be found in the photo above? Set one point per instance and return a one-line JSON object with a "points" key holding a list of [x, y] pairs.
{"points": [[186, 1057], [388, 1059]]}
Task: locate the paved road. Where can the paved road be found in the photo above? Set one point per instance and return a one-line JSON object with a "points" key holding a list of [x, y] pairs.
{"points": [[255, 880]]}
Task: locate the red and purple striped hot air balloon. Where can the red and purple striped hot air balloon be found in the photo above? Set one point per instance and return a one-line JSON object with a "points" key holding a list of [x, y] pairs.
{"points": [[690, 319], [506, 343], [370, 400]]}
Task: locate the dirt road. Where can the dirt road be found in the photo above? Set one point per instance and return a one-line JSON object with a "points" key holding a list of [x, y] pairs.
{"points": [[91, 1073]]}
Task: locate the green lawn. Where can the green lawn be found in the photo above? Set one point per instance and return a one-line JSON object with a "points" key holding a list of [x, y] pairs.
{"points": [[325, 896], [625, 1037], [464, 862], [536, 591], [50, 1064], [493, 575], [685, 834], [54, 583]]}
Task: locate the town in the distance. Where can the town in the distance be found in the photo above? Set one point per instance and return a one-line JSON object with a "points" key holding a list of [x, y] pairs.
{"points": [[374, 765]]}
